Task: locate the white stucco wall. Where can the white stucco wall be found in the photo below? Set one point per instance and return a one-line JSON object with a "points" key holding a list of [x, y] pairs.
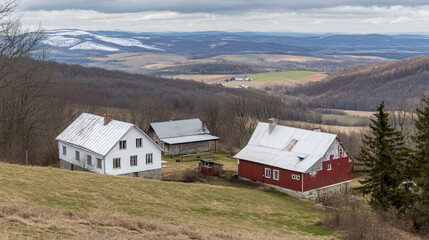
{"points": [[147, 147], [70, 157]]}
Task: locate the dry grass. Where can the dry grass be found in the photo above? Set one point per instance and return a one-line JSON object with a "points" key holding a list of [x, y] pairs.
{"points": [[357, 221], [52, 203]]}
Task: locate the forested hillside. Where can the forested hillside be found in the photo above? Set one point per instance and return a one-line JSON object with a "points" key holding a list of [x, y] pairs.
{"points": [[35, 112], [364, 87]]}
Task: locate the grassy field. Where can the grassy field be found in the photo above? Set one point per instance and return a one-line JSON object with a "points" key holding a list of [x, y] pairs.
{"points": [[346, 120], [49, 203], [275, 76]]}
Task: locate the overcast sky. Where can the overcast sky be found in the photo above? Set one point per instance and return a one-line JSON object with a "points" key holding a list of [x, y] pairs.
{"points": [[319, 16]]}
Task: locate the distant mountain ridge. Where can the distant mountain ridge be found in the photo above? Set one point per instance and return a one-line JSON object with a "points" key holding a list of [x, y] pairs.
{"points": [[74, 45]]}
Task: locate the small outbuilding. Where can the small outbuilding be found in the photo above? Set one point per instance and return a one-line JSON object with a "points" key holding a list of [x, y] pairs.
{"points": [[182, 136], [298, 161], [208, 167]]}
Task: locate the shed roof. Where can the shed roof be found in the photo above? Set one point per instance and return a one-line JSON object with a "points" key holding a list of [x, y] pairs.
{"points": [[190, 139], [89, 132], [286, 147], [179, 128]]}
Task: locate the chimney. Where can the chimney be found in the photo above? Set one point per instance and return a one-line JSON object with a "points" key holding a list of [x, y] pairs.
{"points": [[317, 129], [107, 118], [273, 124], [204, 127]]}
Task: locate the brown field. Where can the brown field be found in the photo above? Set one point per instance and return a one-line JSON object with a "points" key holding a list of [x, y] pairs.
{"points": [[264, 58], [209, 79], [325, 128], [366, 114]]}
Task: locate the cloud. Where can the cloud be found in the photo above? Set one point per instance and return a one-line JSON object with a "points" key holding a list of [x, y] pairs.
{"points": [[233, 15], [207, 6]]}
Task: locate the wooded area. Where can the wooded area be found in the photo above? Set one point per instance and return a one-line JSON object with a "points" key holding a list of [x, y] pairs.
{"points": [[364, 87]]}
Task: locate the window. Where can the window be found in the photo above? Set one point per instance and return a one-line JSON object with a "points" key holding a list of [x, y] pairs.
{"points": [[276, 174], [133, 160], [296, 177], [64, 150], [123, 144], [99, 163], [267, 173], [89, 160], [329, 167], [138, 142], [149, 158], [117, 163], [77, 156]]}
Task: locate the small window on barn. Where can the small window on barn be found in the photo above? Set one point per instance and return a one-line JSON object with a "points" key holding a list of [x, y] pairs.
{"points": [[276, 174], [296, 177], [89, 160], [267, 173], [117, 163], [64, 150], [133, 160], [123, 144], [149, 158], [329, 167], [77, 155], [138, 142], [99, 163], [291, 144]]}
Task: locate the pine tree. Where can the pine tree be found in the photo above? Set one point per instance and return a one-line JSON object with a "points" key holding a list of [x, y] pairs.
{"points": [[420, 166], [381, 162]]}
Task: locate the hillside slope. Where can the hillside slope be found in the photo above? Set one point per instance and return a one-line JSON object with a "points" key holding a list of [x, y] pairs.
{"points": [[364, 87], [48, 203]]}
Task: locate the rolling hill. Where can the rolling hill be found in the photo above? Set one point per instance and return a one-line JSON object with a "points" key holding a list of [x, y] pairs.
{"points": [[364, 87], [49, 203]]}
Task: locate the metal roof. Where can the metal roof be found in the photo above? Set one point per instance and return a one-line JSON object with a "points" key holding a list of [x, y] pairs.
{"points": [[179, 128], [89, 132], [272, 148], [188, 139]]}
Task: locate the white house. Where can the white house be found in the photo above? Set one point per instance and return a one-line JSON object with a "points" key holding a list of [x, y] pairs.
{"points": [[99, 144]]}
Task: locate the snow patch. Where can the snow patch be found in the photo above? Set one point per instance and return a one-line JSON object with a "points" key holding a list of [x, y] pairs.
{"points": [[93, 46], [72, 33], [126, 42], [60, 41], [213, 45]]}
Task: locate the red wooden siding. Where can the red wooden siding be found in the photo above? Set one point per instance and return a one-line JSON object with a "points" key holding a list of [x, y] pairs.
{"points": [[339, 173], [256, 171]]}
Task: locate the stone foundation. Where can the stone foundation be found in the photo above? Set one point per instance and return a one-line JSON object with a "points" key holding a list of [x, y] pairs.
{"points": [[149, 174], [68, 166], [316, 194]]}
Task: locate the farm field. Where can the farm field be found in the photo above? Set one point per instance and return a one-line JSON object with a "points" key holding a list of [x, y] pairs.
{"points": [[286, 78], [348, 120], [50, 203]]}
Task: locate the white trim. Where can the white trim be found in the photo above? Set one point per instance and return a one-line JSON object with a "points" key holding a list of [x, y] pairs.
{"points": [[265, 173], [329, 167], [274, 175]]}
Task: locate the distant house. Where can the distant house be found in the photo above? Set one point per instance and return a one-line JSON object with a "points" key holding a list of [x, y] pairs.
{"points": [[99, 144], [182, 136], [298, 161]]}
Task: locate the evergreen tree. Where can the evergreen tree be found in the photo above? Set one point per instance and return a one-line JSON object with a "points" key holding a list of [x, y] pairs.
{"points": [[381, 162], [420, 165]]}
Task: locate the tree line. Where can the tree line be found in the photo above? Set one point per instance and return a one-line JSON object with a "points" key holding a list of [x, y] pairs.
{"points": [[393, 174]]}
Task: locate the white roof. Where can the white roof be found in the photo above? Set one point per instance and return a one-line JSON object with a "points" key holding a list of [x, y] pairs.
{"points": [[189, 139], [273, 148], [182, 131], [89, 132]]}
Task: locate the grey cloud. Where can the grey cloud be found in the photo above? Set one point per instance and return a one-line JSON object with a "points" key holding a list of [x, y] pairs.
{"points": [[207, 6]]}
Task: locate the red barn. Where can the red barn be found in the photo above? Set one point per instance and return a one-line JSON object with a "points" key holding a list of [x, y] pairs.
{"points": [[298, 161]]}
